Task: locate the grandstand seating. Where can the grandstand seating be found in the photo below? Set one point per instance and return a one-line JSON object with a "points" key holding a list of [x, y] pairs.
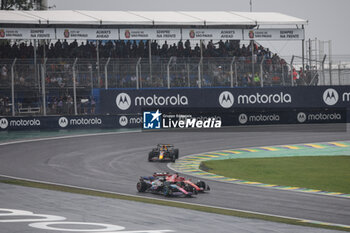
{"points": [[223, 64]]}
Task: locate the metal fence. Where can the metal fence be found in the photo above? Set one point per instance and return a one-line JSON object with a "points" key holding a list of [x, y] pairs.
{"points": [[65, 86], [322, 72]]}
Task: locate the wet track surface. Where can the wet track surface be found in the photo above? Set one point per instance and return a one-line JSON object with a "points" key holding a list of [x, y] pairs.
{"points": [[134, 216], [114, 162]]}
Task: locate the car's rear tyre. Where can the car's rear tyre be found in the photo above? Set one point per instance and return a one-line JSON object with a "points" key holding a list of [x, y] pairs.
{"points": [[191, 189], [176, 152], [141, 186]]}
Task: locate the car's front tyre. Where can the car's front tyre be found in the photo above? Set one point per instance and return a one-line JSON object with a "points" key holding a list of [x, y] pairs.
{"points": [[150, 156], [141, 186]]}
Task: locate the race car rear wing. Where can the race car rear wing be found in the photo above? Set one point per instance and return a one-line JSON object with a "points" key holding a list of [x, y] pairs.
{"points": [[161, 174], [167, 145]]}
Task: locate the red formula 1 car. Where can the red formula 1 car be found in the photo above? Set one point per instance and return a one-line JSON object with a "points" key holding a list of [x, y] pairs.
{"points": [[198, 187], [159, 185]]}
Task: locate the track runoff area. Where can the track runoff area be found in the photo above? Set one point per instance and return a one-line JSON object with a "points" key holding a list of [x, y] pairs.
{"points": [[188, 165]]}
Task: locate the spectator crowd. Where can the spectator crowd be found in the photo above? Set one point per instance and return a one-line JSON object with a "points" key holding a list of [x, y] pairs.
{"points": [[129, 49], [215, 69]]}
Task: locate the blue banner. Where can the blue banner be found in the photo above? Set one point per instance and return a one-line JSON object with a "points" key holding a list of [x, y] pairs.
{"points": [[133, 101], [68, 122], [240, 116]]}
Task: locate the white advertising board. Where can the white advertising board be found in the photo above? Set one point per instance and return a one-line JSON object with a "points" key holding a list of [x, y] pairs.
{"points": [[274, 34], [212, 34], [27, 33], [87, 34]]}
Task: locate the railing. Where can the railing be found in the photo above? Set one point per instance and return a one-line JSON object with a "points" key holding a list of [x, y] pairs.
{"points": [[45, 85], [126, 73]]}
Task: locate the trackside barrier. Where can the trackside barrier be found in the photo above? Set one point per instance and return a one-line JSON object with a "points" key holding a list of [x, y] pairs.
{"points": [[68, 122], [131, 101], [228, 118]]}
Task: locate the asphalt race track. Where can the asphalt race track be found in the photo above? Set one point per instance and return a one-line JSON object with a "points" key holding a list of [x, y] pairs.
{"points": [[85, 211], [113, 162]]}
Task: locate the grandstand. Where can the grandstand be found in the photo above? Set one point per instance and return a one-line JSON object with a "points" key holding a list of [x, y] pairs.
{"points": [[53, 60]]}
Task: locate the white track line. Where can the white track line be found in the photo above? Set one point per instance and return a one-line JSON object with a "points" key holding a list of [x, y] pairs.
{"points": [[150, 198], [65, 137]]}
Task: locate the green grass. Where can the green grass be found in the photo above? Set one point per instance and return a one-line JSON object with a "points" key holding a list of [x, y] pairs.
{"points": [[171, 203], [326, 173]]}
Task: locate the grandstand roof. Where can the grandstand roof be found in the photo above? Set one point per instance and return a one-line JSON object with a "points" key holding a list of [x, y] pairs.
{"points": [[148, 18]]}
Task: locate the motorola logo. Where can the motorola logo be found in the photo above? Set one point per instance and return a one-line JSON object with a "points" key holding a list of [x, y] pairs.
{"points": [[301, 117], [63, 122], [330, 96], [4, 123], [243, 118], [123, 120], [226, 99], [123, 101]]}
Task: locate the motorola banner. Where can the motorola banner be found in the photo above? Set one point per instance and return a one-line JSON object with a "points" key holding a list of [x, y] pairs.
{"points": [[132, 101], [290, 116], [321, 116], [262, 118], [171, 118], [20, 123], [130, 121], [67, 122], [207, 118]]}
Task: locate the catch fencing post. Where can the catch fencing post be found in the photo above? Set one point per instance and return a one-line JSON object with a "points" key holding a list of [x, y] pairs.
{"points": [[261, 72], [236, 74], [98, 64], [231, 70], [168, 70], [188, 74], [138, 70], [150, 60], [37, 78], [330, 61], [323, 81], [199, 73], [291, 70], [74, 87], [43, 85], [252, 48], [91, 78], [339, 82], [13, 86], [106, 81], [283, 81]]}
